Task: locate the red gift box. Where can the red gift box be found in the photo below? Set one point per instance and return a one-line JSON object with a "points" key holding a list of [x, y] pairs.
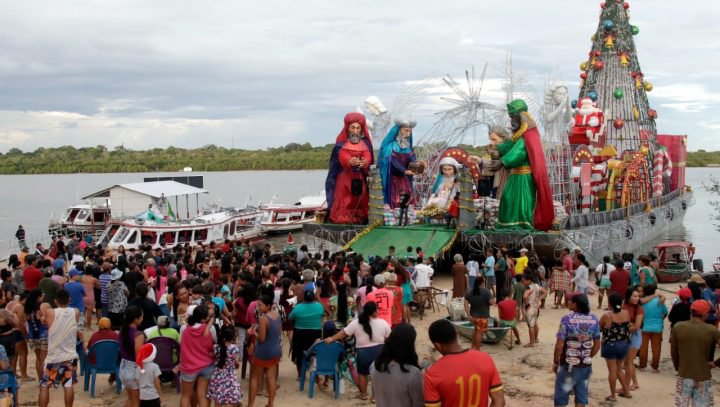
{"points": [[677, 147]]}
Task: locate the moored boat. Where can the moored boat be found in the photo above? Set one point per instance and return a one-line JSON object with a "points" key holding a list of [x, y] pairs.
{"points": [[212, 225], [81, 219], [675, 260], [279, 218], [493, 334]]}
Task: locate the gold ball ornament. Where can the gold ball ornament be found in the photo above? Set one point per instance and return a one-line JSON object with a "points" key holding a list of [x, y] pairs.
{"points": [[648, 86], [583, 66]]}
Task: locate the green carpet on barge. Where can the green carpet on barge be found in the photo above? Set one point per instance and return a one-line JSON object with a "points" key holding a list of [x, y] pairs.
{"points": [[433, 239]]}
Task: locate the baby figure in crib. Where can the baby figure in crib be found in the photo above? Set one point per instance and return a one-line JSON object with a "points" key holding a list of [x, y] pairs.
{"points": [[445, 185]]}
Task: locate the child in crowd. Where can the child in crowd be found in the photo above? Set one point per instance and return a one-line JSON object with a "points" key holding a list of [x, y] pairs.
{"points": [[518, 290], [507, 314], [148, 376], [224, 388]]}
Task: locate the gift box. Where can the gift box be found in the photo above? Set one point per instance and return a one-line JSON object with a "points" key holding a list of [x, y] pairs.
{"points": [[677, 147]]}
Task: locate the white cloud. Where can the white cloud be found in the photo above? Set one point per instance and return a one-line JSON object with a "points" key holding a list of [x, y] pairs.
{"points": [[154, 74]]}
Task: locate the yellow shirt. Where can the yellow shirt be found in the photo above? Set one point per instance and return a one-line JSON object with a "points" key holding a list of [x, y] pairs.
{"points": [[520, 265]]}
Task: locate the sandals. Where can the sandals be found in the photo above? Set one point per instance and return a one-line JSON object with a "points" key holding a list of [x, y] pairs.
{"points": [[611, 399], [362, 397]]}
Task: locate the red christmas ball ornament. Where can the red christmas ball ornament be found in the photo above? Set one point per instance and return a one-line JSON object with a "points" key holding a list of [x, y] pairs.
{"points": [[652, 114], [626, 6], [596, 53], [583, 75], [599, 65], [618, 123], [602, 5], [633, 74]]}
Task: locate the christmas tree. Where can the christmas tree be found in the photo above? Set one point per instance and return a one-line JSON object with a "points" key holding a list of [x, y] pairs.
{"points": [[612, 78]]}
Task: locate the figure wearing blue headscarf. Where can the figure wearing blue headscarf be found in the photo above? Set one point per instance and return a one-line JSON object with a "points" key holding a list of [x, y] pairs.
{"points": [[396, 154]]}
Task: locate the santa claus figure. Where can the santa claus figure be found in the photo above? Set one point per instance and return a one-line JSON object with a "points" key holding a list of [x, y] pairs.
{"points": [[589, 127]]}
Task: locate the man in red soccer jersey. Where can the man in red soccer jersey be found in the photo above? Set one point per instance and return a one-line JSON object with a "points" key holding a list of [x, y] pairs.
{"points": [[384, 299], [462, 377]]}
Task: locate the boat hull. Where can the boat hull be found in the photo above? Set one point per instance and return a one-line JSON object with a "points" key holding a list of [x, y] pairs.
{"points": [[672, 276], [234, 226], [492, 336]]}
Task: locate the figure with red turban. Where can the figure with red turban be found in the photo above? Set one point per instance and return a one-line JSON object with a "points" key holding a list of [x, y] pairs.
{"points": [[346, 188]]}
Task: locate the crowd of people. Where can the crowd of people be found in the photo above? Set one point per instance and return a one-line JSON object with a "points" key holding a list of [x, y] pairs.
{"points": [[230, 302]]}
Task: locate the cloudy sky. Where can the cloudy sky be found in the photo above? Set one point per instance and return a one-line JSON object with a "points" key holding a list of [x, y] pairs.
{"points": [[148, 74]]}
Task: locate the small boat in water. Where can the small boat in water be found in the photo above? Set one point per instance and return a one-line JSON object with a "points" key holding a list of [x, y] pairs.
{"points": [[279, 218], [676, 261], [214, 224]]}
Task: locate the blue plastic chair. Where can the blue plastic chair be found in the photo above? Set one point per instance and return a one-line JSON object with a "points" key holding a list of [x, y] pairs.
{"points": [[326, 358], [107, 355], [81, 356], [10, 382]]}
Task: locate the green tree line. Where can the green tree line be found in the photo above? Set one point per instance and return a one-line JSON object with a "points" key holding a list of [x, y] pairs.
{"points": [[100, 159]]}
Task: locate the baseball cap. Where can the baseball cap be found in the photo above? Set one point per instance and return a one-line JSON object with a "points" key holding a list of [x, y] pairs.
{"points": [[700, 307], [684, 293], [379, 279], [74, 272]]}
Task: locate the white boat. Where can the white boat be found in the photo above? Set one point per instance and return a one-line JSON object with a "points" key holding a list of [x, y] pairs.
{"points": [[81, 219], [279, 218], [212, 225]]}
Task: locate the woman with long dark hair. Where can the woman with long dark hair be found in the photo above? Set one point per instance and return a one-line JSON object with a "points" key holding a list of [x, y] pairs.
{"points": [[340, 306], [370, 333], [131, 340], [284, 302], [396, 376], [37, 331], [636, 315], [615, 325], [327, 288], [268, 350]]}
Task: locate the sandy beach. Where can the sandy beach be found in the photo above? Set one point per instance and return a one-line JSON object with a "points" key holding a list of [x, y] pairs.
{"points": [[526, 373]]}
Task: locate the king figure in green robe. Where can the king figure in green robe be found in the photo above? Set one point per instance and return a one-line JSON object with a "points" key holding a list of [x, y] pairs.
{"points": [[526, 202]]}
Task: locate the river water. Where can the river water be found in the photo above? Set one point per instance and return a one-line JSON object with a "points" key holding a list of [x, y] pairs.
{"points": [[31, 200]]}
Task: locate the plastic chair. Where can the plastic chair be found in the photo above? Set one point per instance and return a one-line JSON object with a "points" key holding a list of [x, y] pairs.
{"points": [[326, 358], [107, 355], [168, 351], [10, 383], [81, 356]]}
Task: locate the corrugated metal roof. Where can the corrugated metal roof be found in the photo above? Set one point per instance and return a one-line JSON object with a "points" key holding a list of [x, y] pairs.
{"points": [[154, 189]]}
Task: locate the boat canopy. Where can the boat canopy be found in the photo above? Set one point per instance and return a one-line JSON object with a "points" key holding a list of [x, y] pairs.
{"points": [[434, 239], [155, 189], [667, 245]]}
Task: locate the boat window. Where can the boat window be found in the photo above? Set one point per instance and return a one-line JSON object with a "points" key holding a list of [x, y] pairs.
{"points": [[133, 237], [82, 215], [120, 235], [232, 227], [225, 231], [266, 216], [309, 214], [184, 236], [149, 237], [200, 235], [295, 216], [71, 214], [169, 238], [281, 217], [99, 216]]}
